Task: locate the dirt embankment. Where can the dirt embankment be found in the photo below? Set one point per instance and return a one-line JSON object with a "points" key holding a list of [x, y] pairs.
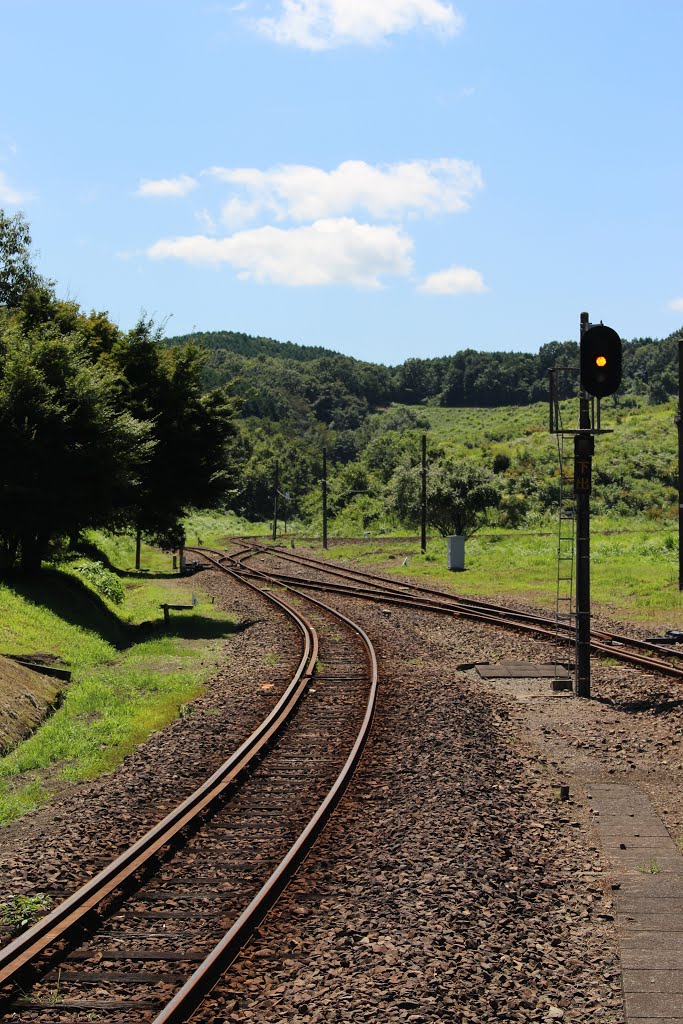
{"points": [[26, 698]]}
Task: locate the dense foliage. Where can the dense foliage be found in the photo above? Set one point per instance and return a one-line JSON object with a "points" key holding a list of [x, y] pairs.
{"points": [[297, 401], [17, 270], [278, 376], [458, 497]]}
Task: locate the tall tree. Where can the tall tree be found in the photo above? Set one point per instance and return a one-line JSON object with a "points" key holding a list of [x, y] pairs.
{"points": [[69, 457], [18, 273], [189, 464], [458, 497]]}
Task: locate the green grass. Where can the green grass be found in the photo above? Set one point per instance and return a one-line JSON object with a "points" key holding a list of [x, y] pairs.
{"points": [[209, 527], [21, 911], [130, 677], [214, 527], [120, 551]]}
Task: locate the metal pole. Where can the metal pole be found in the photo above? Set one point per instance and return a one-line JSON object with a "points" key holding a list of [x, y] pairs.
{"points": [[138, 545], [325, 498], [277, 484], [679, 424], [583, 451], [424, 495], [551, 392]]}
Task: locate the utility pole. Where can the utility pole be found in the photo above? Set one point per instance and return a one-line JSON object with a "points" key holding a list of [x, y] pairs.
{"points": [[584, 447], [424, 495], [325, 498], [138, 546], [679, 423], [277, 484]]}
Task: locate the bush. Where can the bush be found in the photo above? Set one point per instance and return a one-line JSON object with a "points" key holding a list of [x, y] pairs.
{"points": [[101, 580]]}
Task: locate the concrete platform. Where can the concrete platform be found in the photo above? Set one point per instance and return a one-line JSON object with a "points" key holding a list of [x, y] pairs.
{"points": [[647, 868], [522, 670]]}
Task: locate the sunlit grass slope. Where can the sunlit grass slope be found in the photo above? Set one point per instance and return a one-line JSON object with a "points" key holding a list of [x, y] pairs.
{"points": [[129, 675]]}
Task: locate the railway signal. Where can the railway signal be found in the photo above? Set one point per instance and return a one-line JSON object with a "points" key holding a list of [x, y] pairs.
{"points": [[600, 358], [600, 375]]}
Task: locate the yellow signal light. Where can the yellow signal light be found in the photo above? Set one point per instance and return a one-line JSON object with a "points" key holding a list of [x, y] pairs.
{"points": [[600, 361]]}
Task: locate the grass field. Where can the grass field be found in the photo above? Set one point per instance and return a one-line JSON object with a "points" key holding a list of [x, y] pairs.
{"points": [[634, 567], [634, 563], [130, 676]]}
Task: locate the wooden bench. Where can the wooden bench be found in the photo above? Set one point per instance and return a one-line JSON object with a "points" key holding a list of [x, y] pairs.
{"points": [[174, 608]]}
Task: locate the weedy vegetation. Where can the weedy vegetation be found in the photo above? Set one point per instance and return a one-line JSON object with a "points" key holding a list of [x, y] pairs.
{"points": [[20, 912]]}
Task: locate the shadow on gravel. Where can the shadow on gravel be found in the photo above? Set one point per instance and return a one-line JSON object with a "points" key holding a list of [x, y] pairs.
{"points": [[657, 703]]}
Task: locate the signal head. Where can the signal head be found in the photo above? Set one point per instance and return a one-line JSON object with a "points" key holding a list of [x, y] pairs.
{"points": [[600, 358]]}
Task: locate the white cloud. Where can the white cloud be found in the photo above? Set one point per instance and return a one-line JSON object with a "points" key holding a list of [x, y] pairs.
{"points": [[323, 24], [302, 192], [237, 212], [327, 252], [165, 187], [10, 195], [454, 281], [206, 221], [676, 305]]}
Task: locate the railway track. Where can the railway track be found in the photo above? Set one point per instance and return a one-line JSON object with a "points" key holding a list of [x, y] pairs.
{"points": [[148, 937], [320, 575]]}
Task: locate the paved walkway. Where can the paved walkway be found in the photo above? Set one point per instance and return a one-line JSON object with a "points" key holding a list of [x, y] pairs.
{"points": [[647, 868]]}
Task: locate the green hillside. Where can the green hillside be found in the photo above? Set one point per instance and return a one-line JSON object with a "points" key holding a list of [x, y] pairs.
{"points": [[249, 346], [485, 409], [634, 470]]}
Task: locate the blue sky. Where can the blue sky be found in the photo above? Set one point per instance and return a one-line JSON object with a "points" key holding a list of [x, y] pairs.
{"points": [[388, 179]]}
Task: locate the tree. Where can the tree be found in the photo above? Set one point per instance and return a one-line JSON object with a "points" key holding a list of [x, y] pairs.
{"points": [[69, 457], [458, 497], [17, 270], [188, 466]]}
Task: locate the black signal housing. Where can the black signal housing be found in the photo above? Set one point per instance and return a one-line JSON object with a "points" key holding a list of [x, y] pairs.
{"points": [[600, 361]]}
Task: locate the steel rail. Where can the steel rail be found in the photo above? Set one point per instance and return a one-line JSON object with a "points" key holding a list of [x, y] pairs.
{"points": [[195, 990], [602, 641], [59, 921], [362, 575]]}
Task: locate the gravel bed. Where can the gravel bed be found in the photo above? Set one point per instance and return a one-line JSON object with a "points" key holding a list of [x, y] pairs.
{"points": [[452, 883]]}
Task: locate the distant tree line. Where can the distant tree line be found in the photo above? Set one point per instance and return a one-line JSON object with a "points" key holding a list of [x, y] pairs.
{"points": [[342, 391], [98, 427]]}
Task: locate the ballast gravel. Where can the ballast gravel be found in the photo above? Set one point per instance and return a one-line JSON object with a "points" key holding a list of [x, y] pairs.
{"points": [[452, 883]]}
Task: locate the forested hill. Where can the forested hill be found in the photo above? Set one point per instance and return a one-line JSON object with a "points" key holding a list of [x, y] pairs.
{"points": [[249, 346], [276, 377], [296, 401]]}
